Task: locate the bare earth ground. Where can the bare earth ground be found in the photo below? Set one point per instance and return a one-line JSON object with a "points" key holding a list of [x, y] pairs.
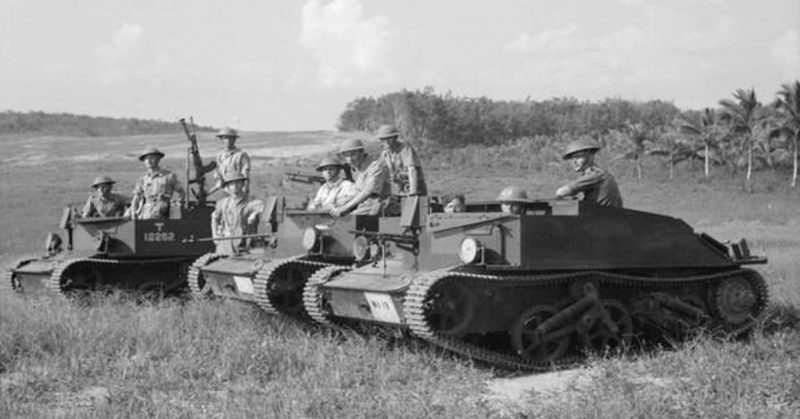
{"points": [[39, 176]]}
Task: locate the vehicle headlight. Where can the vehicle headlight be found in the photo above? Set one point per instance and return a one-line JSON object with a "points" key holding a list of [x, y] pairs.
{"points": [[469, 250], [361, 248], [310, 238]]}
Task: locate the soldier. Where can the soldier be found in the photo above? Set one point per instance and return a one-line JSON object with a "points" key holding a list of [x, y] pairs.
{"points": [[404, 166], [336, 190], [155, 190], [235, 215], [597, 185], [512, 200], [457, 204], [371, 182], [230, 158], [103, 202]]}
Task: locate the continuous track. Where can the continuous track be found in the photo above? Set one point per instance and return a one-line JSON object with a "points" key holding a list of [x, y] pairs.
{"points": [[419, 298], [279, 284]]}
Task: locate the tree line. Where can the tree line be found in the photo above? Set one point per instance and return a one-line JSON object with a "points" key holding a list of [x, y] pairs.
{"points": [[740, 132], [66, 124]]}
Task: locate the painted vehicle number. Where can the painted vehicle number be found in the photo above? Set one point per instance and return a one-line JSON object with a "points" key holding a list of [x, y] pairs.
{"points": [[382, 307], [159, 236], [244, 284]]}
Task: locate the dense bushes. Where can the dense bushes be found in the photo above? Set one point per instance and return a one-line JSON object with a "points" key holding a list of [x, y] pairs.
{"points": [[65, 124]]}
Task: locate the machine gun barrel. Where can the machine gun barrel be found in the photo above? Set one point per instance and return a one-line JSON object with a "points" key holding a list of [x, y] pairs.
{"points": [[398, 238], [244, 236], [197, 162], [304, 178]]}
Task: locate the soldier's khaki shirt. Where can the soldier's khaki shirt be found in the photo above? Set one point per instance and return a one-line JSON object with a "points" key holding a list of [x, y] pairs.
{"points": [[330, 196], [157, 189], [230, 219], [98, 206], [374, 178], [398, 161], [236, 160], [598, 187]]}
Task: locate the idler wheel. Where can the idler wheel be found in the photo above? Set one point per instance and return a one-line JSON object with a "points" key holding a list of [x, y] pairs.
{"points": [[597, 332], [529, 343], [735, 301], [450, 307]]}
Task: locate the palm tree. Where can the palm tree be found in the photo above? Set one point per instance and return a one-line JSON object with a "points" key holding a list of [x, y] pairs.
{"points": [[638, 134], [788, 107], [671, 146], [705, 127], [742, 116]]}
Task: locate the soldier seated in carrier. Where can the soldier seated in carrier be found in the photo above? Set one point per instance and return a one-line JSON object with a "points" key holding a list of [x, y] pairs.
{"points": [[235, 215], [336, 190], [513, 200], [457, 204], [155, 190], [103, 202], [597, 186], [372, 186]]}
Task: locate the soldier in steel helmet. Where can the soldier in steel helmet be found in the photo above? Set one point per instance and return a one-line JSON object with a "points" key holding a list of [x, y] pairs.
{"points": [[156, 190], [371, 182], [235, 215], [404, 166], [103, 202], [512, 200], [597, 185], [336, 190], [230, 158]]}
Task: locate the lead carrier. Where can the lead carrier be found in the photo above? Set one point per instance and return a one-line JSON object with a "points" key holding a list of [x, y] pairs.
{"points": [[538, 290], [120, 253]]}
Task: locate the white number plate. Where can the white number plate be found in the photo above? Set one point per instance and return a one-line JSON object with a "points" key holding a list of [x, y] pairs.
{"points": [[382, 307], [244, 284]]}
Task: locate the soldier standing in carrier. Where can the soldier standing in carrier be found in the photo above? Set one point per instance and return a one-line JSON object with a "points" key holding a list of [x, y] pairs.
{"points": [[336, 190], [235, 215], [155, 190], [103, 202], [371, 182], [597, 185], [229, 159], [404, 166]]}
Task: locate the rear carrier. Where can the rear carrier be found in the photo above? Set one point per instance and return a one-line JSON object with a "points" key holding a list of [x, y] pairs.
{"points": [[539, 289]]}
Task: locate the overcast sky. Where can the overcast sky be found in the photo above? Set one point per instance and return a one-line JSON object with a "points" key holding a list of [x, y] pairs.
{"points": [[294, 65]]}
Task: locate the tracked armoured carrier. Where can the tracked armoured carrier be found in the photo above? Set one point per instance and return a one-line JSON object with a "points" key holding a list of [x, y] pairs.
{"points": [[150, 256], [273, 274], [116, 253], [537, 290]]}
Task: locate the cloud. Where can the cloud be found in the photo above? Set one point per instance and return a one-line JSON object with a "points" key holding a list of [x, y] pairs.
{"points": [[642, 59], [114, 59], [349, 47], [785, 53]]}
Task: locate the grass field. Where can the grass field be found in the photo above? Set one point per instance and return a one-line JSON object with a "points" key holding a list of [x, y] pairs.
{"points": [[113, 358]]}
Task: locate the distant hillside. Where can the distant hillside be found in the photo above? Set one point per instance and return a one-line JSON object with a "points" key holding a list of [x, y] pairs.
{"points": [[65, 124]]}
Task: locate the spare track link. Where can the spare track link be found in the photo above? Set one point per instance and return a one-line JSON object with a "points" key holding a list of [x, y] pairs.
{"points": [[265, 277], [417, 299], [56, 283], [195, 274], [8, 283], [312, 297]]}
